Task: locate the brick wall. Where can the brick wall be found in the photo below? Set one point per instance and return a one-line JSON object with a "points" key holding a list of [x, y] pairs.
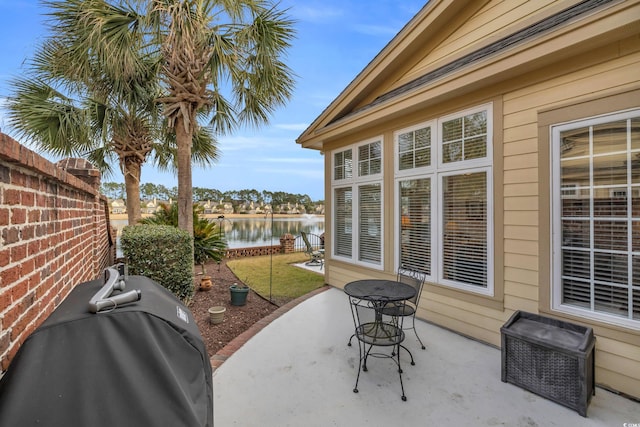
{"points": [[54, 234], [286, 246]]}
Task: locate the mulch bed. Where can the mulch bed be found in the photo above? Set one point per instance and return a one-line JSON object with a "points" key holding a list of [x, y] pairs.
{"points": [[237, 319]]}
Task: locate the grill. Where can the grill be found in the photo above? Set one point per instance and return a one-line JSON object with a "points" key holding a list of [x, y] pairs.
{"points": [[131, 358]]}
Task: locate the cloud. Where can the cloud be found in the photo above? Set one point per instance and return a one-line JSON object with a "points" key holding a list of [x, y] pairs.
{"points": [[253, 142], [315, 14], [292, 126]]}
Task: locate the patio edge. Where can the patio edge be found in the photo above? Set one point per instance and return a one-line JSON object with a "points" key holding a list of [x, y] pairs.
{"points": [[227, 351]]}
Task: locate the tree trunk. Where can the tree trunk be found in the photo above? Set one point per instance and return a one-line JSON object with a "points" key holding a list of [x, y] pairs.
{"points": [[132, 185], [184, 140]]}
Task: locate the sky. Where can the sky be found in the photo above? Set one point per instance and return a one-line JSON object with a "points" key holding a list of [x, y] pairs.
{"points": [[335, 40]]}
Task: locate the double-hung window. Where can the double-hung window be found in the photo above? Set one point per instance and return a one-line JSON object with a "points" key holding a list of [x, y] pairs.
{"points": [[357, 203], [596, 218], [443, 172]]}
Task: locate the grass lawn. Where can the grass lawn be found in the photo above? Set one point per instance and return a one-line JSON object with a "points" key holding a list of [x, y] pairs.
{"points": [[287, 282]]}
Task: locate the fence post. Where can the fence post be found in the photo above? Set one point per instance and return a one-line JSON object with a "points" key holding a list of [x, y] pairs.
{"points": [[287, 243]]}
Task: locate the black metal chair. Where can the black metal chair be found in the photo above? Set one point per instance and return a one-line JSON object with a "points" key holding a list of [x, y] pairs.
{"points": [[372, 330], [316, 257], [408, 309]]}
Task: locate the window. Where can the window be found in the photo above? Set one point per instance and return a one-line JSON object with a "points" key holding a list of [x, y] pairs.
{"points": [[596, 227], [370, 210], [464, 215], [464, 138], [451, 196], [358, 203], [343, 165], [415, 224], [414, 149], [343, 198]]}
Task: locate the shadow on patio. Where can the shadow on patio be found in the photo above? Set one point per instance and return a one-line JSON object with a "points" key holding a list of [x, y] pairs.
{"points": [[299, 371]]}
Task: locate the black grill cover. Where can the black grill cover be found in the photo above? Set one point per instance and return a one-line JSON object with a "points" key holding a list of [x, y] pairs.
{"points": [[142, 364]]}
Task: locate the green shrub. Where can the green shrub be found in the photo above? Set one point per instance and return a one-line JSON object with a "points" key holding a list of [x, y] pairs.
{"points": [[161, 253], [208, 243]]}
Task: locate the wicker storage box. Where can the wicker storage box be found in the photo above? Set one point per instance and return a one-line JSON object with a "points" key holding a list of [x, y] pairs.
{"points": [[549, 357]]}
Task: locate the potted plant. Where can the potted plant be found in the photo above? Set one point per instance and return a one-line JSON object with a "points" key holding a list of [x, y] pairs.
{"points": [[216, 314], [239, 294]]}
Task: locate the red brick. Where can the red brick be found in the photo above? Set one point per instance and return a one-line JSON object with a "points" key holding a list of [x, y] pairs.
{"points": [[18, 178], [28, 232], [27, 199], [5, 301], [4, 257], [4, 216], [33, 248], [12, 197], [18, 253], [9, 276], [34, 216], [28, 266], [11, 235], [10, 317], [19, 291], [18, 216], [4, 341]]}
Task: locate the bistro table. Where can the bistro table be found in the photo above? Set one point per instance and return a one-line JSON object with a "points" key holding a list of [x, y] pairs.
{"points": [[375, 331], [380, 292], [372, 289]]}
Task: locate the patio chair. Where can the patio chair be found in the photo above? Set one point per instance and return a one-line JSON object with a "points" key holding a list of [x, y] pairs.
{"points": [[416, 279], [373, 331], [316, 257]]}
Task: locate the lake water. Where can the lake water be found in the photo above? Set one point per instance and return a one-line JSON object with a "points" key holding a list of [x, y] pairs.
{"points": [[251, 232]]}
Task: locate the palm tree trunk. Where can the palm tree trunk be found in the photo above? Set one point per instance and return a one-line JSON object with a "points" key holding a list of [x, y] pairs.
{"points": [[184, 139], [132, 184]]}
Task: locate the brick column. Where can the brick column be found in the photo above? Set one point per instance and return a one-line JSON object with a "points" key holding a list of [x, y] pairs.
{"points": [[287, 243], [82, 169]]}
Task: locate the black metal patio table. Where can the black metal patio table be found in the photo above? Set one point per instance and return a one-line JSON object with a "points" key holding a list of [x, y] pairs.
{"points": [[371, 289], [380, 292], [372, 296]]}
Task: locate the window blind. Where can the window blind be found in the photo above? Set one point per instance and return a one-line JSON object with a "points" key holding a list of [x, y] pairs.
{"points": [[464, 250], [370, 223], [600, 223], [342, 217], [415, 224]]}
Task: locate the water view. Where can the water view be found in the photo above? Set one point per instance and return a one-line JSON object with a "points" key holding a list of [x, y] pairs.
{"points": [[257, 231]]}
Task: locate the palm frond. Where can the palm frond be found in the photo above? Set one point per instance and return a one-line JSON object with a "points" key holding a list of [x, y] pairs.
{"points": [[53, 122]]}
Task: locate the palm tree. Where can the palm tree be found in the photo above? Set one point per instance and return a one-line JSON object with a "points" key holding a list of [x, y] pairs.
{"points": [[75, 101], [219, 59]]}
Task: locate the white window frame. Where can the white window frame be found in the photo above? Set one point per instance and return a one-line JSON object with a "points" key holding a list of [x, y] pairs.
{"points": [[354, 183], [436, 172], [556, 220], [396, 142]]}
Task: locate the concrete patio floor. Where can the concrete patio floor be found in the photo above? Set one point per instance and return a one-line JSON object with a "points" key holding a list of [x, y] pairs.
{"points": [[298, 371]]}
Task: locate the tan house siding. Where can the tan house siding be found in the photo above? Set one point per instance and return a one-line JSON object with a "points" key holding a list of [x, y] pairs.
{"points": [[578, 69], [618, 363], [492, 19]]}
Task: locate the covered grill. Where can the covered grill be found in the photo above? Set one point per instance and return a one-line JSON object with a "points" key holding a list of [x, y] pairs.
{"points": [[135, 363]]}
